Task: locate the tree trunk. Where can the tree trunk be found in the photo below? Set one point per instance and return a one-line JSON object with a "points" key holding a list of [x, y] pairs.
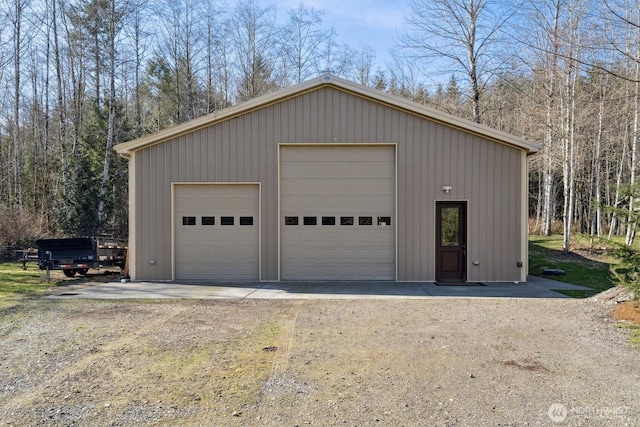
{"points": [[596, 222], [17, 155], [614, 218], [631, 225], [547, 184], [137, 40], [568, 161], [566, 180], [45, 183], [548, 202], [62, 120], [473, 66], [209, 89], [112, 110]]}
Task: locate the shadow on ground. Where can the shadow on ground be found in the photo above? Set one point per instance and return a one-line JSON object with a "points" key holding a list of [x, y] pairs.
{"points": [[536, 287]]}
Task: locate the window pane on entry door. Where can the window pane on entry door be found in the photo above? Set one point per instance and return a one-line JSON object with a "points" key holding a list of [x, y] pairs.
{"points": [[450, 223]]}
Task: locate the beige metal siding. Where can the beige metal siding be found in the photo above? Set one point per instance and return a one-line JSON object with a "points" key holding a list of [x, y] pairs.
{"points": [[216, 251], [334, 182], [485, 173]]}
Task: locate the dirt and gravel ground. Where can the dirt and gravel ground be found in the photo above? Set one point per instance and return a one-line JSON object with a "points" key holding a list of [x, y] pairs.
{"points": [[434, 362]]}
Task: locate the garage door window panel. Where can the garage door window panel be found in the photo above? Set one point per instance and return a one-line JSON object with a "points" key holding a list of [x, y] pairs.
{"points": [[290, 220], [226, 220], [310, 220], [246, 220], [346, 220], [188, 220], [208, 220], [384, 220], [328, 220], [365, 220]]}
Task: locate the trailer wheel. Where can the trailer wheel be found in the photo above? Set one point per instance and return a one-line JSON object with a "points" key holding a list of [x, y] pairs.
{"points": [[83, 271], [69, 273]]}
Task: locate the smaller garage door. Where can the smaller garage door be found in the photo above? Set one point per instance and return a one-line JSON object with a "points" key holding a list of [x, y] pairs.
{"points": [[216, 232]]}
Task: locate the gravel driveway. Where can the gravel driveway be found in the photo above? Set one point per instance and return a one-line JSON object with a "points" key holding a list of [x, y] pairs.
{"points": [[439, 362]]}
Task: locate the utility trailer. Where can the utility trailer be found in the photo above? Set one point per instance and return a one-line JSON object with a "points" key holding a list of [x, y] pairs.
{"points": [[78, 255]]}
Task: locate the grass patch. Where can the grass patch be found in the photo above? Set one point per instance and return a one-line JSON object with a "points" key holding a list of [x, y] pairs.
{"points": [[634, 336], [589, 264], [17, 284]]}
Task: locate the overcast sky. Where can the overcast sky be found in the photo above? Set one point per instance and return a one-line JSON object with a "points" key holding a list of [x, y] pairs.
{"points": [[372, 22]]}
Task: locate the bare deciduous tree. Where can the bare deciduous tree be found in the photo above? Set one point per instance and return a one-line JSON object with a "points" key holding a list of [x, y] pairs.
{"points": [[336, 58], [256, 37], [303, 38], [363, 65], [16, 18], [464, 35]]}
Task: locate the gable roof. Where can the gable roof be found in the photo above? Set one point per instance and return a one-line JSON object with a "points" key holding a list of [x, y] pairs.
{"points": [[327, 80]]}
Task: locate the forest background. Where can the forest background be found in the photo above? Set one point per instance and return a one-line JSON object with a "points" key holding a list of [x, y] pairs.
{"points": [[80, 76]]}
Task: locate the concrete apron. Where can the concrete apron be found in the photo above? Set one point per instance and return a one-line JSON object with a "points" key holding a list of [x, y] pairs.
{"points": [[535, 287]]}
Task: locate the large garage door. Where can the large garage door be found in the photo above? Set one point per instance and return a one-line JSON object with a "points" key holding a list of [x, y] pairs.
{"points": [[337, 212], [216, 232]]}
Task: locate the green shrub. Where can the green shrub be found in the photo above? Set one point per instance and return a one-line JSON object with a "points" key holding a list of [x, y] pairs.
{"points": [[628, 272]]}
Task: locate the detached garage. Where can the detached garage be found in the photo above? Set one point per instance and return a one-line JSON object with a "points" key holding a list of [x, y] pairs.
{"points": [[328, 180]]}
